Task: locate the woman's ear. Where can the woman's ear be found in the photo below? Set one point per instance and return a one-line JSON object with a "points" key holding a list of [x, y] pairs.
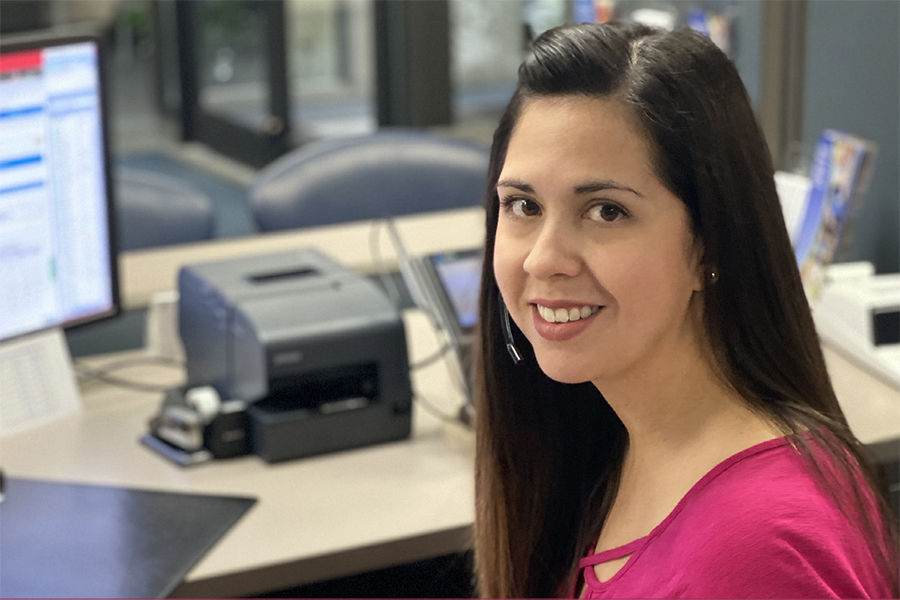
{"points": [[698, 266]]}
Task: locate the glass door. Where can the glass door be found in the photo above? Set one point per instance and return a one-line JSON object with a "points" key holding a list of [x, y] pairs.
{"points": [[331, 67], [233, 77]]}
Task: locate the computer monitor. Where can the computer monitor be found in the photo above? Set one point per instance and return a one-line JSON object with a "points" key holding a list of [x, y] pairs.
{"points": [[57, 246]]}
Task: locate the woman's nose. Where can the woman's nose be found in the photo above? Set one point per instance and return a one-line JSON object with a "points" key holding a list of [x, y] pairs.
{"points": [[555, 253]]}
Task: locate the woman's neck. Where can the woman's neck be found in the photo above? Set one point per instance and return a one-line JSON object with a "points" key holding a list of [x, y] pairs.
{"points": [[682, 420], [677, 406]]}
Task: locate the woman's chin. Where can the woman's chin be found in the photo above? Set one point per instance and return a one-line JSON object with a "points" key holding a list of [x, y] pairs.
{"points": [[564, 371]]}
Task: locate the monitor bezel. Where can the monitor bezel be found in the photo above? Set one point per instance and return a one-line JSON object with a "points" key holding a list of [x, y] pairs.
{"points": [[47, 39]]}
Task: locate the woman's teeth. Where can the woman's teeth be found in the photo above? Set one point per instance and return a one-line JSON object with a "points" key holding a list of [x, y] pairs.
{"points": [[564, 315]]}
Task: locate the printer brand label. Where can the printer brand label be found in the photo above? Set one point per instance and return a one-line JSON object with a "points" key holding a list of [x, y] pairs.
{"points": [[292, 357]]}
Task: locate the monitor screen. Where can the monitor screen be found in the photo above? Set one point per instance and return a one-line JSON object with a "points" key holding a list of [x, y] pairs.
{"points": [[57, 255], [460, 277]]}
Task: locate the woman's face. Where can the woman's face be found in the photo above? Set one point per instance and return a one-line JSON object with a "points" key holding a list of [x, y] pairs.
{"points": [[594, 257]]}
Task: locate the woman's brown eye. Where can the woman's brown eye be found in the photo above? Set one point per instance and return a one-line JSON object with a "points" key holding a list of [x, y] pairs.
{"points": [[607, 212], [524, 208]]}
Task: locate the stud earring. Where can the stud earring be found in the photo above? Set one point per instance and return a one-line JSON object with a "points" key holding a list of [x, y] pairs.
{"points": [[507, 334], [713, 277]]}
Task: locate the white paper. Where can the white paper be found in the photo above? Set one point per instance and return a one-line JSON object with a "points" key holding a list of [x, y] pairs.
{"points": [[792, 192], [37, 383], [161, 333]]}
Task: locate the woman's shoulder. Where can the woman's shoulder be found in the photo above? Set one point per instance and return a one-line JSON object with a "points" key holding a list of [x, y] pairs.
{"points": [[773, 478], [766, 522], [771, 489]]}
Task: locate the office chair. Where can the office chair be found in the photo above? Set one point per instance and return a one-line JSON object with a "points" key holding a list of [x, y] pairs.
{"points": [[154, 209], [386, 174]]}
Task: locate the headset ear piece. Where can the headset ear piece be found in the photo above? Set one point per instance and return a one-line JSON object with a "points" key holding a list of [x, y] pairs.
{"points": [[506, 327]]}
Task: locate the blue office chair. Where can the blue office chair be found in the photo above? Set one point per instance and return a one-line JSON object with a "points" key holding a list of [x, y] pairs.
{"points": [[386, 174], [154, 209]]}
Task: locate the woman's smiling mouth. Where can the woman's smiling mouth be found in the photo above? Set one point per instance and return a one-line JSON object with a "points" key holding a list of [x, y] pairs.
{"points": [[564, 315], [562, 323]]}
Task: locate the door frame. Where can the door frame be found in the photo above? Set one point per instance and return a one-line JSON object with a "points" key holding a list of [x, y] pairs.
{"points": [[251, 146]]}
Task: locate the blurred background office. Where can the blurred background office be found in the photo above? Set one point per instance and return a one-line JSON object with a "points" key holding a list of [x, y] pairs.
{"points": [[220, 109], [209, 93]]}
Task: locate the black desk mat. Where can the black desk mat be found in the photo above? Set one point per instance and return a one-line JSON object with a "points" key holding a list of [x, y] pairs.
{"points": [[67, 540]]}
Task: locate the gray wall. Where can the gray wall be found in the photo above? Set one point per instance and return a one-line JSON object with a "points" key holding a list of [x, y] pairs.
{"points": [[748, 45], [853, 84]]}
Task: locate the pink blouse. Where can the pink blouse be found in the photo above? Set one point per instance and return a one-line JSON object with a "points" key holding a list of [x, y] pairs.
{"points": [[759, 525]]}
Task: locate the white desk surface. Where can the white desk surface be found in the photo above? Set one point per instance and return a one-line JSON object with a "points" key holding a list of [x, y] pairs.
{"points": [[871, 404]]}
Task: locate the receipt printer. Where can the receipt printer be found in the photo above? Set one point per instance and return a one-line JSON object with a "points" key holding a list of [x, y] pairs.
{"points": [[858, 314], [316, 351]]}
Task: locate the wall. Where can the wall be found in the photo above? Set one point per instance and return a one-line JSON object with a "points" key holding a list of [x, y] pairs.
{"points": [[853, 84]]}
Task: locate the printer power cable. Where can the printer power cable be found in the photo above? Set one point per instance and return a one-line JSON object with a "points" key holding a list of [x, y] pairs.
{"points": [[85, 374]]}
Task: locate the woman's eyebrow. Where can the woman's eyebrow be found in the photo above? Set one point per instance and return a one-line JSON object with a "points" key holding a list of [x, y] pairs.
{"points": [[606, 184], [586, 188], [516, 183]]}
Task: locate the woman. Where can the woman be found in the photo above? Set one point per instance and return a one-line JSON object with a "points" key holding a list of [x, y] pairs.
{"points": [[658, 409]]}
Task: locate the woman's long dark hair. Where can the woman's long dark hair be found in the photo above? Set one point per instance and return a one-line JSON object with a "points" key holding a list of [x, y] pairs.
{"points": [[549, 454]]}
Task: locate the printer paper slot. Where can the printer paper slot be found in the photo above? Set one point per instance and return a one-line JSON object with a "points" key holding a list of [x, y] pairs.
{"points": [[282, 275], [328, 391]]}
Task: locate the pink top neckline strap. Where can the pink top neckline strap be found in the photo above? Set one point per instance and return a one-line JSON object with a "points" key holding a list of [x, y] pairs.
{"points": [[611, 554]]}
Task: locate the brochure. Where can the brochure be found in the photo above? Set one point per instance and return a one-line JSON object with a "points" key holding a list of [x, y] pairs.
{"points": [[840, 174]]}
